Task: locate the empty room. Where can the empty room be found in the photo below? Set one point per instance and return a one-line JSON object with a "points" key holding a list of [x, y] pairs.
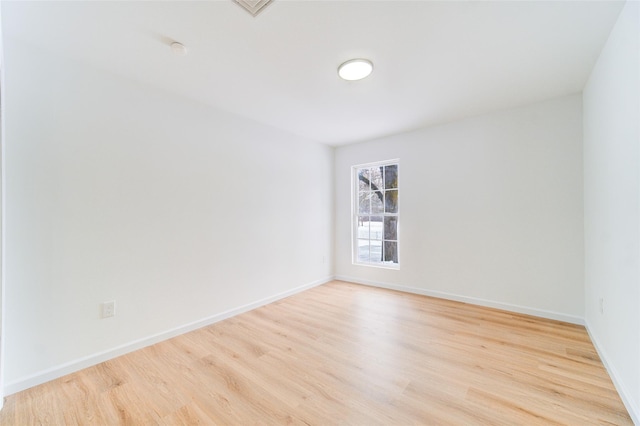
{"points": [[320, 212]]}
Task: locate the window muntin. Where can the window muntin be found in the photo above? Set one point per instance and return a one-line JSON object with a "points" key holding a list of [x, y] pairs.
{"points": [[375, 214]]}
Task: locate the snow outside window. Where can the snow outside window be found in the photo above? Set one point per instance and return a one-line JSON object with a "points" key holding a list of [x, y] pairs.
{"points": [[375, 214]]}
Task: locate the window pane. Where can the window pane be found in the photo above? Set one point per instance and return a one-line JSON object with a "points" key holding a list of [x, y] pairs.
{"points": [[375, 228], [390, 228], [364, 203], [363, 251], [376, 252], [363, 227], [377, 205], [391, 201], [391, 251], [391, 176], [363, 179], [377, 182]]}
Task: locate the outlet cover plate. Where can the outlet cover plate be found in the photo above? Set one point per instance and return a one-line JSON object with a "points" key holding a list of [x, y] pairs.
{"points": [[109, 309]]}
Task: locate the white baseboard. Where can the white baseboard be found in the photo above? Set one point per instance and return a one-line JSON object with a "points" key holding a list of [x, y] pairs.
{"points": [[471, 300], [625, 395], [91, 360]]}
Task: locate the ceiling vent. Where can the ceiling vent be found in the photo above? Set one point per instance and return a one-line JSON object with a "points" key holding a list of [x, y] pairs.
{"points": [[253, 6]]}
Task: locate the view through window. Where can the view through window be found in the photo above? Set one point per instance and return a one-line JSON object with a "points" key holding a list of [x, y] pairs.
{"points": [[376, 214]]}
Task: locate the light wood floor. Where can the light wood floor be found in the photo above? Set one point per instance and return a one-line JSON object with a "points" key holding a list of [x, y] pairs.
{"points": [[344, 354]]}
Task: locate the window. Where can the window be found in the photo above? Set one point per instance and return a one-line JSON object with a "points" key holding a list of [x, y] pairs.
{"points": [[375, 214]]}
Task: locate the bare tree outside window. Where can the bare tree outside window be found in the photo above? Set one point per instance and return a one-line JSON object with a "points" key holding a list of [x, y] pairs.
{"points": [[376, 214]]}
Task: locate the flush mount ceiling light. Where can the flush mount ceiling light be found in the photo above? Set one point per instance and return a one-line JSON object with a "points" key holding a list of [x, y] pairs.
{"points": [[355, 69]]}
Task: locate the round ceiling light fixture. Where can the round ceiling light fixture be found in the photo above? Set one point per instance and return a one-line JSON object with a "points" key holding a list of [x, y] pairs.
{"points": [[178, 48], [355, 69]]}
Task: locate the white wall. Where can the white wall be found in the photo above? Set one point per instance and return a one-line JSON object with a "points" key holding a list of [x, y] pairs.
{"points": [[2, 204], [116, 191], [490, 210], [611, 205]]}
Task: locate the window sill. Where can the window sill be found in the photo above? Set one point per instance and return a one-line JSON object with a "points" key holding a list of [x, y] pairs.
{"points": [[378, 265]]}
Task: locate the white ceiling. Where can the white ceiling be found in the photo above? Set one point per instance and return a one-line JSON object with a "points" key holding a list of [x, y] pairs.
{"points": [[434, 61]]}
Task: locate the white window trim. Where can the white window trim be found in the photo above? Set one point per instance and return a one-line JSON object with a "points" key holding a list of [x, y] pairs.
{"points": [[354, 214]]}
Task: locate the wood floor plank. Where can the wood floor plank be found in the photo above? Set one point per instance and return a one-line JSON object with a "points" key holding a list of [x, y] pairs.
{"points": [[348, 354]]}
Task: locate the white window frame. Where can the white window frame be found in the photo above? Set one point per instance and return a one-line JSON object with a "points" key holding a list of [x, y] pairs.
{"points": [[355, 215]]}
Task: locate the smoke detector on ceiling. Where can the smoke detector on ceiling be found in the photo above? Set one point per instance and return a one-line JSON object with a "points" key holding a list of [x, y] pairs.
{"points": [[253, 6], [178, 48]]}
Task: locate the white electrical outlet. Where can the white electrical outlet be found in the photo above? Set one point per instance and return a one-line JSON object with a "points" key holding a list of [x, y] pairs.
{"points": [[108, 309], [602, 305]]}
